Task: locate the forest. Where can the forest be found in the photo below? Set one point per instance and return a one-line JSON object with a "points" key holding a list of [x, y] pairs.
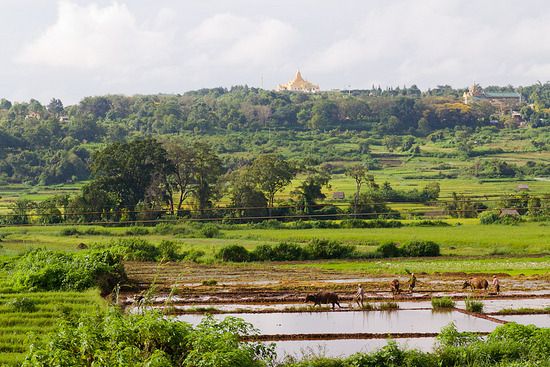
{"points": [[182, 152]]}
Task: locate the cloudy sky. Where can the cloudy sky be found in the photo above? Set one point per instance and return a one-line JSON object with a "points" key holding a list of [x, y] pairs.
{"points": [[70, 49]]}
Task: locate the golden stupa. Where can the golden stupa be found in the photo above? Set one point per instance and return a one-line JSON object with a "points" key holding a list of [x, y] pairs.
{"points": [[298, 84]]}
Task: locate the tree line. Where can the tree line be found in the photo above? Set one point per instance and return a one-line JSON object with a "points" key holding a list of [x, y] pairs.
{"points": [[50, 144]]}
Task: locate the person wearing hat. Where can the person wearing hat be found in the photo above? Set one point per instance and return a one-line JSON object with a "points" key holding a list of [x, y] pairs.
{"points": [[412, 282], [359, 295], [496, 284]]}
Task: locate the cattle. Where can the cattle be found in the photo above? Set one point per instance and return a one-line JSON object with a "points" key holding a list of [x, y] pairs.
{"points": [[475, 283], [323, 297], [394, 287]]}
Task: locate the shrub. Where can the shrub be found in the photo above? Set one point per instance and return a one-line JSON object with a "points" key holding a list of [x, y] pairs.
{"points": [[353, 223], [163, 228], [209, 231], [268, 224], [263, 253], [193, 255], [328, 249], [169, 250], [234, 253], [429, 223], [473, 305], [47, 270], [148, 339], [443, 302], [420, 248], [387, 249], [22, 304], [137, 249], [287, 251], [70, 231], [137, 231]]}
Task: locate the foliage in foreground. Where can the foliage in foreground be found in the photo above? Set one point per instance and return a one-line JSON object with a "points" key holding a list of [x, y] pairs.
{"points": [[509, 345], [47, 270], [147, 339]]}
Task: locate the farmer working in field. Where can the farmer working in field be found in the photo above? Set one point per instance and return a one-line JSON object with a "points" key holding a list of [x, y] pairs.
{"points": [[412, 282], [496, 283], [360, 295]]}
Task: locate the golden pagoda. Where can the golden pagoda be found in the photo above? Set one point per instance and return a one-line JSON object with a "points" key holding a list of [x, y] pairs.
{"points": [[298, 84]]}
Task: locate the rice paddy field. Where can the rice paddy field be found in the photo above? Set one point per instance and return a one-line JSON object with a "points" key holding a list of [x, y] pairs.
{"points": [[23, 313]]}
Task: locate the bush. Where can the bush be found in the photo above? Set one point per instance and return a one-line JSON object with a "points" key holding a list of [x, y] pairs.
{"points": [[353, 223], [148, 339], [473, 305], [21, 304], [263, 253], [47, 270], [70, 231], [268, 224], [163, 228], [135, 249], [328, 249], [387, 249], [193, 255], [287, 251], [233, 253], [443, 302], [209, 231], [169, 250], [429, 223], [137, 231], [420, 248]]}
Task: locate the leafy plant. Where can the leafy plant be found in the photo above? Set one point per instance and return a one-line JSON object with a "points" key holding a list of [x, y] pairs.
{"points": [[234, 253], [22, 304], [473, 305], [443, 302]]}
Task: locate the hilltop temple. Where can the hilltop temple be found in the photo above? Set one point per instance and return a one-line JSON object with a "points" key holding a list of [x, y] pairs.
{"points": [[298, 84], [476, 94]]}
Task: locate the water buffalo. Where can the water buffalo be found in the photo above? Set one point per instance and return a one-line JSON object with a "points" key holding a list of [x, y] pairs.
{"points": [[323, 297], [475, 283], [394, 287]]}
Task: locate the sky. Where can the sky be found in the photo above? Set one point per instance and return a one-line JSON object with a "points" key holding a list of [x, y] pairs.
{"points": [[71, 49]]}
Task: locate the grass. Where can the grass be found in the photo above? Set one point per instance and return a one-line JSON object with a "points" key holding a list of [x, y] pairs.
{"points": [[48, 308], [443, 302], [473, 305], [513, 266], [522, 310]]}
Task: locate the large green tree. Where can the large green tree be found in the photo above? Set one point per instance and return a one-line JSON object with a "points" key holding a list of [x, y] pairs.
{"points": [[272, 173], [128, 169]]}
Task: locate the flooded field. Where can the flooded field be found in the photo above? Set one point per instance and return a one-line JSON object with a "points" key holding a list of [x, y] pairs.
{"points": [[272, 300], [357, 322], [345, 347]]}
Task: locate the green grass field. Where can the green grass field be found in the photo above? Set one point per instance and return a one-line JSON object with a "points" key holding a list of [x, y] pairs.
{"points": [[39, 313]]}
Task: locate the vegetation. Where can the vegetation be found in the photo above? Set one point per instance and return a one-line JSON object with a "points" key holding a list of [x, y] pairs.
{"points": [[148, 339], [473, 305], [442, 302]]}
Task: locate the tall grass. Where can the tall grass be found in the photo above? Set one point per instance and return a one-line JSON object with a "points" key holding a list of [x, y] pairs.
{"points": [[443, 302], [473, 305]]}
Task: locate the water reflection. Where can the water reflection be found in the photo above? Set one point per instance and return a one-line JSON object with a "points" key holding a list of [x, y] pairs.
{"points": [[402, 321], [344, 347]]}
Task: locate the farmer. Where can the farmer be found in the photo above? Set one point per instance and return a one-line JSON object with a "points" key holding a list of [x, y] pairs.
{"points": [[496, 283], [412, 282], [359, 295]]}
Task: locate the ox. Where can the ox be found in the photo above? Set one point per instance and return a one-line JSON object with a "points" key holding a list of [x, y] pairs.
{"points": [[323, 297]]}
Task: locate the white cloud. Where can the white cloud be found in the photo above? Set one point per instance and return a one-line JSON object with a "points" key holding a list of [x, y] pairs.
{"points": [[230, 40], [88, 37]]}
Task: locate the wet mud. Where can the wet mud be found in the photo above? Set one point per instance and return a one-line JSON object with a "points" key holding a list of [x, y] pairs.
{"points": [[272, 299]]}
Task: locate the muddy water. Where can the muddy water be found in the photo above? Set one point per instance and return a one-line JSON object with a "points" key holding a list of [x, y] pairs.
{"points": [[495, 305], [344, 347], [537, 320], [403, 321]]}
